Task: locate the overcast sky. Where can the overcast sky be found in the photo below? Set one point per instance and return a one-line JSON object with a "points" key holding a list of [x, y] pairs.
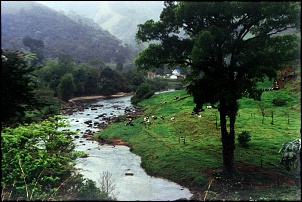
{"points": [[89, 8]]}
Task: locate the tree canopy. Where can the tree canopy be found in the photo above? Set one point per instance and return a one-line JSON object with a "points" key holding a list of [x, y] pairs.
{"points": [[228, 48], [18, 84], [66, 87]]}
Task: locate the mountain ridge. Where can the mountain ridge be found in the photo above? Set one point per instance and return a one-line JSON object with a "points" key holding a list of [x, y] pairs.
{"points": [[59, 33], [120, 18]]}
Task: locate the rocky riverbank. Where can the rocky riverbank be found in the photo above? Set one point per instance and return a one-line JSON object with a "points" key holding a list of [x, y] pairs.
{"points": [[100, 121]]}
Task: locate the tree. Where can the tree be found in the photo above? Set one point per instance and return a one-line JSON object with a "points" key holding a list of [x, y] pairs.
{"points": [[111, 82], [67, 87], [49, 74], [137, 80], [80, 79], [119, 66], [36, 46], [18, 85], [65, 64], [92, 74], [262, 109], [228, 48], [107, 86]]}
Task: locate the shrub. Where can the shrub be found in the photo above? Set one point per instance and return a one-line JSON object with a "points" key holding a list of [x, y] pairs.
{"points": [[279, 102], [144, 91], [291, 159], [243, 138], [291, 154], [178, 86], [90, 192]]}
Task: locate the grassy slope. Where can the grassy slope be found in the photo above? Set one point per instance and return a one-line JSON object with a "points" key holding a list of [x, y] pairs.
{"points": [[164, 153]]}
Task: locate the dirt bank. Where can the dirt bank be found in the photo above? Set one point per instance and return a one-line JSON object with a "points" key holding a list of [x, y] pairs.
{"points": [[121, 94]]}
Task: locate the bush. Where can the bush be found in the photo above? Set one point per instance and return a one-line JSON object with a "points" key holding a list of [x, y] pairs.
{"points": [[90, 192], [144, 91], [157, 84], [37, 159], [39, 152], [178, 86], [291, 154], [243, 138], [279, 102]]}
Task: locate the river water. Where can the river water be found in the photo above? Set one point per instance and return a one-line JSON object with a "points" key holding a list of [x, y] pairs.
{"points": [[130, 181]]}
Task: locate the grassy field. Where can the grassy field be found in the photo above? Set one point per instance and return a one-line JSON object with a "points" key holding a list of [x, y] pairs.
{"points": [[188, 150]]}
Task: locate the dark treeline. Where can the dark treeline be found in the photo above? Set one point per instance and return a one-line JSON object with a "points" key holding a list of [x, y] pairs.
{"points": [[68, 79], [33, 91]]}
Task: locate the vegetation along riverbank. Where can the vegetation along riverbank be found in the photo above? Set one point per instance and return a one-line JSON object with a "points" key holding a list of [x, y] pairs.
{"points": [[187, 148]]}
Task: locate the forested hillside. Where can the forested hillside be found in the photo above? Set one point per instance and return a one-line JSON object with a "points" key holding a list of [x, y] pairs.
{"points": [[48, 33], [120, 18]]}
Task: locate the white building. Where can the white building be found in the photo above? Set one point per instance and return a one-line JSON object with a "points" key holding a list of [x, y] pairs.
{"points": [[173, 77]]}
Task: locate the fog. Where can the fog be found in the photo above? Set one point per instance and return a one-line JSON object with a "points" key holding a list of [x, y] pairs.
{"points": [[120, 18]]}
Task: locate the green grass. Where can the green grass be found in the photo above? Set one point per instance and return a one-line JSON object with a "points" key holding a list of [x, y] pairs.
{"points": [[162, 148]]}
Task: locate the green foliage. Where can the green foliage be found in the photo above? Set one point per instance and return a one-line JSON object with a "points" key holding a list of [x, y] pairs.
{"points": [[107, 87], [243, 138], [144, 91], [88, 79], [18, 85], [36, 156], [157, 84], [225, 65], [38, 163], [89, 192], [178, 87], [291, 152], [162, 155], [111, 82], [134, 78], [91, 80], [36, 47], [279, 102], [137, 80], [209, 76], [66, 87], [53, 71]]}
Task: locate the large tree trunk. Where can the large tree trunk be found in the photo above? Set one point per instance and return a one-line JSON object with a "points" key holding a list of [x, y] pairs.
{"points": [[228, 140]]}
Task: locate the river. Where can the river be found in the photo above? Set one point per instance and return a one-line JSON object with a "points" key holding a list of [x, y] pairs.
{"points": [[130, 181]]}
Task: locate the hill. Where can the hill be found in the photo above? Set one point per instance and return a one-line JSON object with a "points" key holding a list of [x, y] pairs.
{"points": [[57, 33], [120, 18]]}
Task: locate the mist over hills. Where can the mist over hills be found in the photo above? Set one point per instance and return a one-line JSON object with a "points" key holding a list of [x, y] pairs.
{"points": [[83, 40], [120, 18]]}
